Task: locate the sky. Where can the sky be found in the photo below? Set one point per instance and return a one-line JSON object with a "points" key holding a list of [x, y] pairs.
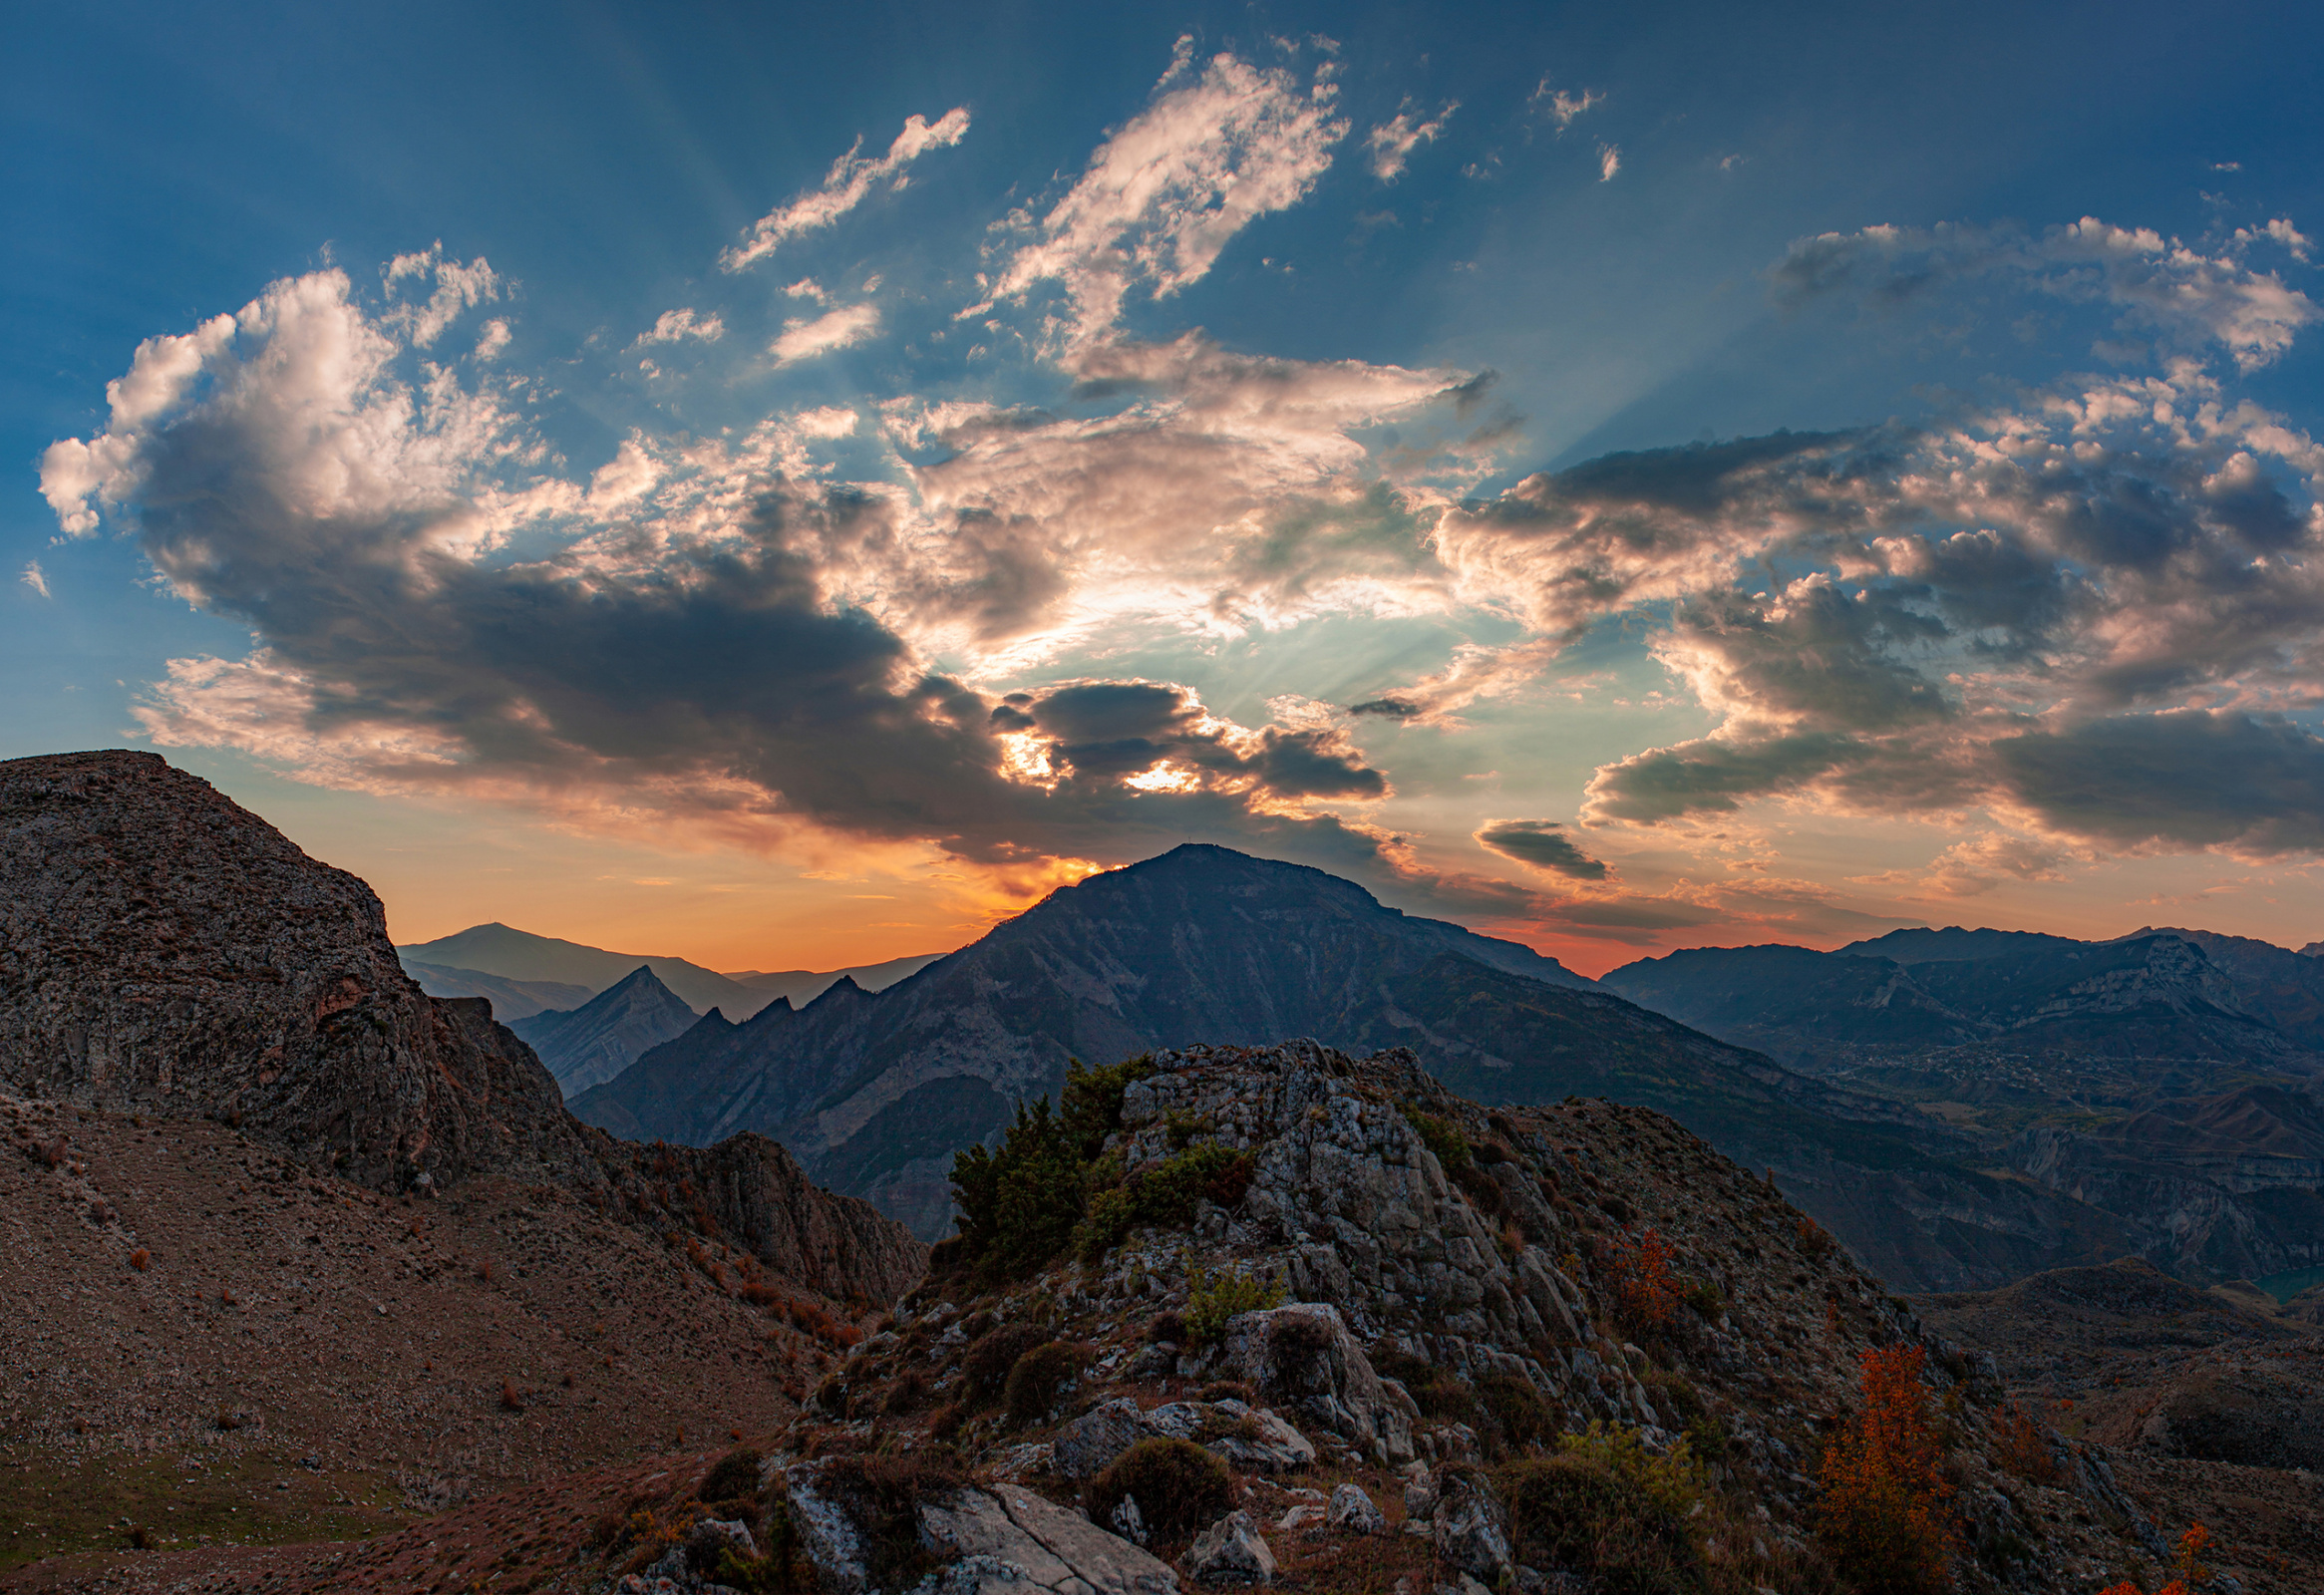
{"points": [[787, 488]]}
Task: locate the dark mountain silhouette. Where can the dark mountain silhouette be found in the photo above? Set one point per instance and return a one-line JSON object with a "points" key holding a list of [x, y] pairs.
{"points": [[876, 1091], [2167, 1077], [591, 1044], [503, 950], [165, 952]]}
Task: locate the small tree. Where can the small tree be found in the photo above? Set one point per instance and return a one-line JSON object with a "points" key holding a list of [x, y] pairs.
{"points": [[1883, 1514]]}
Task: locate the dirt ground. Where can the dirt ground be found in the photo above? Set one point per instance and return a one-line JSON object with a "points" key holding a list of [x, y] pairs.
{"points": [[206, 1345]]}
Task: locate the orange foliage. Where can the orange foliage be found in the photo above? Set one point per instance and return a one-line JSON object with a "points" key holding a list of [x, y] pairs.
{"points": [[1646, 1294], [1882, 1514]]}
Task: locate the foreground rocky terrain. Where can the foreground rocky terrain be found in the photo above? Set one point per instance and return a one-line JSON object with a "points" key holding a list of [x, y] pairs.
{"points": [[294, 1245], [1318, 1325]]}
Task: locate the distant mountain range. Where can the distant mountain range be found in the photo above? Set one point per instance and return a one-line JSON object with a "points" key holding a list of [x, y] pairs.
{"points": [[2168, 1077], [537, 973], [598, 1040], [876, 1090]]}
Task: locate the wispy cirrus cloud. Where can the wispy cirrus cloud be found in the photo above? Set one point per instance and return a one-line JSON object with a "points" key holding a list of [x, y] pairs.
{"points": [[804, 338], [1392, 142], [1218, 148], [851, 180]]}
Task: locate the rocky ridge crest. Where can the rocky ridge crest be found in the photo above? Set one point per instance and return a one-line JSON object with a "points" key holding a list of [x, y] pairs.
{"points": [[165, 952], [1427, 1287]]}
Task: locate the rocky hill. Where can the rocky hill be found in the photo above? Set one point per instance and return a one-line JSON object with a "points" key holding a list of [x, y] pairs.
{"points": [[163, 951], [515, 954], [1294, 1318], [591, 1044], [876, 1092]]}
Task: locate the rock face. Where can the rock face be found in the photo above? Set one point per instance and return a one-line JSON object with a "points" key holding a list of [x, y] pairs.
{"points": [[1469, 1290], [589, 1045], [164, 951]]}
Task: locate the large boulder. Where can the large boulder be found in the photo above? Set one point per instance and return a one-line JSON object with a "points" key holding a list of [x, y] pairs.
{"points": [[1011, 1541], [1303, 1357], [1230, 1552], [1251, 1442]]}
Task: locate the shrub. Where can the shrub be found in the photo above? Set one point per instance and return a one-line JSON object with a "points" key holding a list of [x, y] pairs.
{"points": [[1436, 1392], [510, 1400], [140, 1259], [1638, 1276], [1706, 1434], [1517, 1408], [734, 1476], [1166, 1326], [1882, 1516], [907, 1395], [1041, 1376], [1181, 1489], [884, 1495], [1213, 1298], [1227, 1390], [1605, 1507], [1443, 1137], [1020, 1204], [989, 1360], [1165, 1195], [2019, 1448], [1816, 1242]]}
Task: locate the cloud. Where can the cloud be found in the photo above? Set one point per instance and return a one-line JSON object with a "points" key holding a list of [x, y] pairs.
{"points": [[676, 649], [850, 179], [1542, 843], [32, 578], [1391, 144], [459, 285], [2191, 778], [2191, 298], [1609, 161], [803, 339], [674, 326], [1977, 866], [1161, 197], [1560, 106]]}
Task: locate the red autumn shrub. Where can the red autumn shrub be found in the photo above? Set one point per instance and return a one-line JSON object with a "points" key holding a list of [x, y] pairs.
{"points": [[1883, 1515], [1647, 1295]]}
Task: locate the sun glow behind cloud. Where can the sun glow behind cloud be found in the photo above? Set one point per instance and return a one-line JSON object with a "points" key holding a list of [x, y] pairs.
{"points": [[884, 620]]}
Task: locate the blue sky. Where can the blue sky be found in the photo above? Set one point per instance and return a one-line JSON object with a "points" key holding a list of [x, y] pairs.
{"points": [[1771, 474]]}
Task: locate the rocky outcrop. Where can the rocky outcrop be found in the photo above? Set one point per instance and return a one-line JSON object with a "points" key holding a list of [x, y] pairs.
{"points": [[164, 951]]}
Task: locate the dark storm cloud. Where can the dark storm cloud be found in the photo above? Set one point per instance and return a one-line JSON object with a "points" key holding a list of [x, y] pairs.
{"points": [[2186, 779], [1542, 843]]}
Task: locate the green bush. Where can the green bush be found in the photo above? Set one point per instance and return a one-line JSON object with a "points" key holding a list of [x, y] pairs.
{"points": [[1706, 1434], [990, 1358], [778, 1570], [1519, 1410], [1041, 1376], [1164, 1195], [1213, 1298], [1605, 1507], [1181, 1489], [734, 1477], [883, 1495], [1443, 1137], [1437, 1391], [1020, 1204]]}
